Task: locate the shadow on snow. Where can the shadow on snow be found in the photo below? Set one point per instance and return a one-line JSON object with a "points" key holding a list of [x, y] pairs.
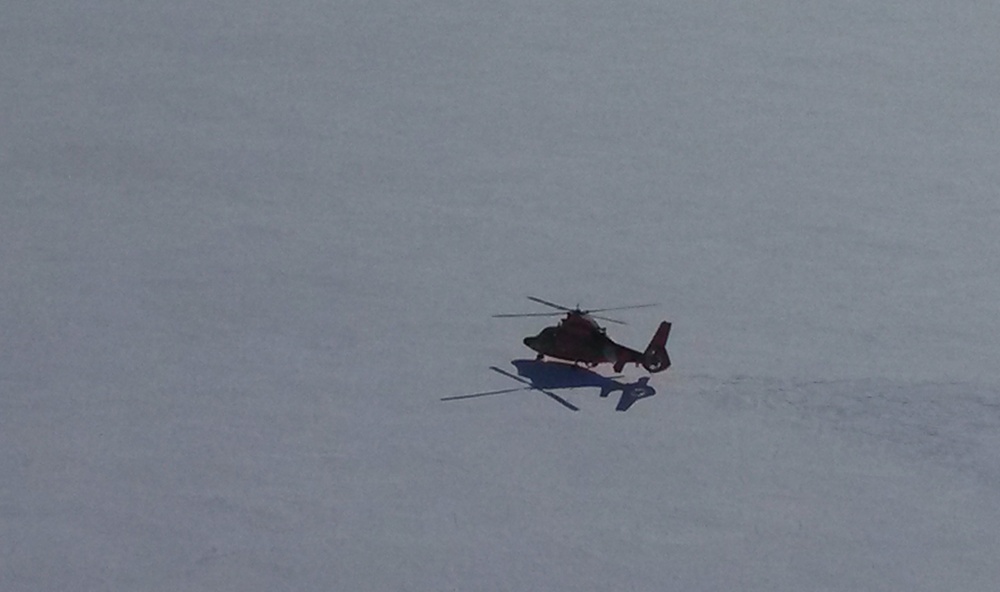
{"points": [[551, 376]]}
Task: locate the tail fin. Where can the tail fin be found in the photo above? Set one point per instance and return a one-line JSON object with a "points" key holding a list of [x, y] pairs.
{"points": [[655, 358]]}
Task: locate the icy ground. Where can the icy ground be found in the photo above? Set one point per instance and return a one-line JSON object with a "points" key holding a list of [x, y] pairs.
{"points": [[248, 247]]}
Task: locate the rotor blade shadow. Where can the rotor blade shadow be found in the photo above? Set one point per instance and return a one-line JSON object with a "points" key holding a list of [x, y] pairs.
{"points": [[545, 376], [532, 386], [558, 375], [486, 394]]}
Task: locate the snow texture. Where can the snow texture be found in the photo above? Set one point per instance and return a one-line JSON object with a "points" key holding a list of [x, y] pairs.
{"points": [[248, 248]]}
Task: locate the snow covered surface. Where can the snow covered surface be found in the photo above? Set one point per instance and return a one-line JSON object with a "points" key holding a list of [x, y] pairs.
{"points": [[248, 247]]}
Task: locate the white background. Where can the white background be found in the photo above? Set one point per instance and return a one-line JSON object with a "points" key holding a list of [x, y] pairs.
{"points": [[247, 247]]}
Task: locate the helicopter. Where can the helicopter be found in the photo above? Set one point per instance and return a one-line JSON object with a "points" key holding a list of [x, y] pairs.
{"points": [[579, 339]]}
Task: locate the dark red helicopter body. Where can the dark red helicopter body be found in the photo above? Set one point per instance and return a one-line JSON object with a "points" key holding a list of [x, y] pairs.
{"points": [[579, 339]]}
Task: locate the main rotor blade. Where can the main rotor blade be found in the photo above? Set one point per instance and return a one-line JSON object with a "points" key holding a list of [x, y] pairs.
{"points": [[552, 304], [610, 320], [624, 307], [526, 314]]}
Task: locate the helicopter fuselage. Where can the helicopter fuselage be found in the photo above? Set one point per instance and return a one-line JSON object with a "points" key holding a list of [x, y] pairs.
{"points": [[579, 339]]}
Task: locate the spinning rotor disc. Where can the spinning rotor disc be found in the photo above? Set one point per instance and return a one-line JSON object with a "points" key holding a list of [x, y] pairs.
{"points": [[565, 309]]}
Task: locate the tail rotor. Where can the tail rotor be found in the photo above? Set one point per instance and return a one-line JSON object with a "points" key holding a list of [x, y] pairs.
{"points": [[655, 358]]}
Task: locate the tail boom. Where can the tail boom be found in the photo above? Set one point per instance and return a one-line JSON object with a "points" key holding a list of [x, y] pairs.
{"points": [[653, 359]]}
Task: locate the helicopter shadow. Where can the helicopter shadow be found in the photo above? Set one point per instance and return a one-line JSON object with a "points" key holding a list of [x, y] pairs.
{"points": [[546, 377]]}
